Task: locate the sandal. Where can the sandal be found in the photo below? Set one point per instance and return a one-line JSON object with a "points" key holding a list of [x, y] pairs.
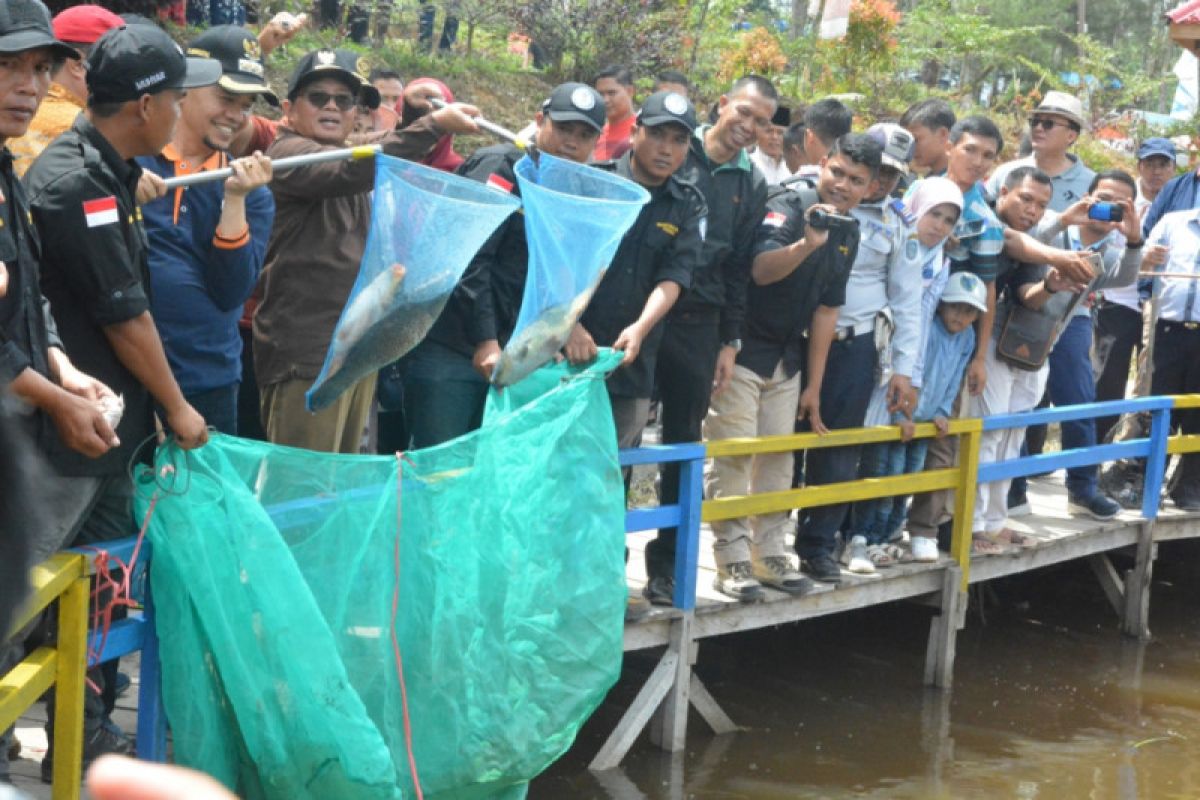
{"points": [[1014, 538], [880, 556], [983, 545]]}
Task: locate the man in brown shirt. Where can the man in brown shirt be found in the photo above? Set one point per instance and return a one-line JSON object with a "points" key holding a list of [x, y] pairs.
{"points": [[322, 213]]}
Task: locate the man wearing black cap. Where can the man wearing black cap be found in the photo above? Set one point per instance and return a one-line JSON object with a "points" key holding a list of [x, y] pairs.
{"points": [[653, 264], [322, 212], [446, 376], [94, 273], [34, 368], [207, 241]]}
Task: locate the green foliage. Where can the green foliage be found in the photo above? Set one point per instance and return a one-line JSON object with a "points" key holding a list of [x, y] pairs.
{"points": [[582, 36]]}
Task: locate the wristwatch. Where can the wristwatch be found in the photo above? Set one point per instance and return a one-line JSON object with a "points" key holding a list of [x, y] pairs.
{"points": [[736, 344]]}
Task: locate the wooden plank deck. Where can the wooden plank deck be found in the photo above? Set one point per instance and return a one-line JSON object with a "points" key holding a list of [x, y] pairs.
{"points": [[1061, 537]]}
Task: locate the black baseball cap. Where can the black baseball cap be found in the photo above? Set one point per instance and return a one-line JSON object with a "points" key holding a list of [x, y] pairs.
{"points": [[25, 25], [238, 51], [662, 108], [134, 60], [346, 65], [575, 102]]}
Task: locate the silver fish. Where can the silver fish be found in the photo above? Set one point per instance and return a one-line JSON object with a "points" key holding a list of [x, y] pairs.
{"points": [[374, 332], [539, 341]]}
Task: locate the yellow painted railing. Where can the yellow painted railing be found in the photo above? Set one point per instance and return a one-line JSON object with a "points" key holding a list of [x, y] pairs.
{"points": [[960, 478], [62, 577], [1178, 445]]}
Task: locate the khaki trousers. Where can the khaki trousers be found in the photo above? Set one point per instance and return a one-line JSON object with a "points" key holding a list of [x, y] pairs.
{"points": [[751, 406], [336, 429]]}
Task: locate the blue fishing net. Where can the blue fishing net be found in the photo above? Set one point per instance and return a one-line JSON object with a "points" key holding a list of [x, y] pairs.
{"points": [[426, 226], [575, 218], [273, 577]]}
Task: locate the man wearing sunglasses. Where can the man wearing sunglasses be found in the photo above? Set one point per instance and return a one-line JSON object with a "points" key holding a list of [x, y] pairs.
{"points": [[1053, 128], [322, 212]]}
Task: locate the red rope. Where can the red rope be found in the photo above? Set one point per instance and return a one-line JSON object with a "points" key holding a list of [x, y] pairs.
{"points": [[408, 738], [122, 595]]}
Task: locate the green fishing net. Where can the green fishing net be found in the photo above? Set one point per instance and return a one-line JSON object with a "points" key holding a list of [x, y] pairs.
{"points": [[273, 578]]}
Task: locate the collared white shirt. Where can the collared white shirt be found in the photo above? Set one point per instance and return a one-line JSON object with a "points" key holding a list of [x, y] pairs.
{"points": [[775, 171], [1179, 231]]}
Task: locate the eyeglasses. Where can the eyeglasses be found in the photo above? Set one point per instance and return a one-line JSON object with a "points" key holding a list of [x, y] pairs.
{"points": [[1047, 123], [344, 102]]}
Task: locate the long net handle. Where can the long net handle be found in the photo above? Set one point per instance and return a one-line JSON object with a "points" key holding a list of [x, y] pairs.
{"points": [[280, 165]]}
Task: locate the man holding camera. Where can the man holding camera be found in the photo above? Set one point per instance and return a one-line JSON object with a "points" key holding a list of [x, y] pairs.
{"points": [[885, 276], [804, 251], [1104, 222]]}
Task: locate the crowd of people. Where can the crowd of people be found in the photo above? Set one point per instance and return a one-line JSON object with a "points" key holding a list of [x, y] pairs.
{"points": [[787, 273]]}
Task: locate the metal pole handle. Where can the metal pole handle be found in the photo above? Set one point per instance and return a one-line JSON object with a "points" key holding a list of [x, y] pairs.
{"points": [[280, 165], [491, 127]]}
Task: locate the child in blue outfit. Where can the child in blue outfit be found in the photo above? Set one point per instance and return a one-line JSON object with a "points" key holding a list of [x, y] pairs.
{"points": [[948, 349], [935, 205]]}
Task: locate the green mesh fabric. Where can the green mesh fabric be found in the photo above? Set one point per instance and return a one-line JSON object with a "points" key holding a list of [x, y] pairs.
{"points": [[273, 577]]}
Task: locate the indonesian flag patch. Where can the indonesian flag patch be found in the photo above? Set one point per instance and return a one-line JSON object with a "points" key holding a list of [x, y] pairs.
{"points": [[774, 219], [100, 212], [498, 183]]}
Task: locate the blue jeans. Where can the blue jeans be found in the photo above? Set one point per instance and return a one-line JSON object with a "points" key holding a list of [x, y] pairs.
{"points": [[845, 393], [1072, 382], [878, 519], [443, 394]]}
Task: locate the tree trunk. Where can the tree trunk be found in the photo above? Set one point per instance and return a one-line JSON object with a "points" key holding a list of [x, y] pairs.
{"points": [[816, 28], [799, 18]]}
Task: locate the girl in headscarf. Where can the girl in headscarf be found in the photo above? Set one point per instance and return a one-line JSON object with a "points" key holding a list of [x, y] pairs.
{"points": [[416, 104], [935, 205]]}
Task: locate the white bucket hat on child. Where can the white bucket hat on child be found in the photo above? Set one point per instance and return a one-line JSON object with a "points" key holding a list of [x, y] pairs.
{"points": [[964, 287]]}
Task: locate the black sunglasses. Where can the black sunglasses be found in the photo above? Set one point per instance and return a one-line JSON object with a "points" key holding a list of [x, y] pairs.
{"points": [[1047, 123], [344, 102]]}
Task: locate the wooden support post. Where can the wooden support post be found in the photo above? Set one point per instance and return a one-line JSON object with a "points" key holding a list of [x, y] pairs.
{"points": [[639, 713], [709, 711], [1110, 581], [668, 729], [1135, 615], [943, 631]]}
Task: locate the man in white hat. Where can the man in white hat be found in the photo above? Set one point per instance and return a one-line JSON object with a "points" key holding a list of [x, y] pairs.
{"points": [[1054, 127]]}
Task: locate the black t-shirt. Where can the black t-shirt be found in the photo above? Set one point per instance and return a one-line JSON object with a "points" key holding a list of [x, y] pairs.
{"points": [[27, 331], [664, 244], [95, 272], [778, 314]]}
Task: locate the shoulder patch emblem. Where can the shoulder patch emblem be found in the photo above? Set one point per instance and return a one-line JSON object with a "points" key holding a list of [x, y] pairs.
{"points": [[102, 211]]}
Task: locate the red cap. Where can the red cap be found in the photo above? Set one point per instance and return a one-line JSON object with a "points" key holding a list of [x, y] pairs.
{"points": [[84, 24]]}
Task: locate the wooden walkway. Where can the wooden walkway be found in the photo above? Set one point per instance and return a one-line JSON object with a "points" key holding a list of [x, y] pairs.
{"points": [[663, 702]]}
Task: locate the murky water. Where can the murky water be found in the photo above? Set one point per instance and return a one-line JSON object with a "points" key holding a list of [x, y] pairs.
{"points": [[1050, 701]]}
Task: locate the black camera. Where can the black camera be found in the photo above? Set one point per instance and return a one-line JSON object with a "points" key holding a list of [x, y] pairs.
{"points": [[825, 221]]}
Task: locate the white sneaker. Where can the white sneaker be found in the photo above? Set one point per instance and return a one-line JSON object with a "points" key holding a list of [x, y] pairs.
{"points": [[924, 548], [855, 557]]}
